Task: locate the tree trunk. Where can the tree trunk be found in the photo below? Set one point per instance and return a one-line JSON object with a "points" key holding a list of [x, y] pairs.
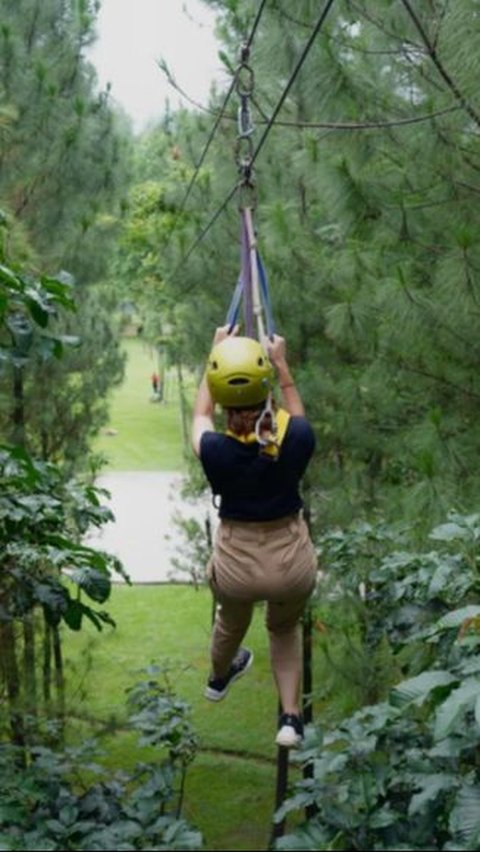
{"points": [[47, 663], [11, 675], [59, 680], [18, 417], [30, 680], [183, 407]]}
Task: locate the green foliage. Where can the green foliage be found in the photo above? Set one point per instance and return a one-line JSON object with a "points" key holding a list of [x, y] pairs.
{"points": [[27, 305], [193, 553], [161, 717], [230, 784], [65, 149], [47, 578], [38, 362], [65, 161], [65, 799], [42, 519], [402, 773]]}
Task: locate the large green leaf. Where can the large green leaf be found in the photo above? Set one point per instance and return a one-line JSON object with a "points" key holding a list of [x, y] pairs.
{"points": [[430, 786], [465, 816], [8, 277], [96, 584], [449, 532], [458, 702], [417, 689], [77, 610], [54, 598], [38, 309], [458, 616], [74, 614], [310, 836], [458, 527], [60, 291]]}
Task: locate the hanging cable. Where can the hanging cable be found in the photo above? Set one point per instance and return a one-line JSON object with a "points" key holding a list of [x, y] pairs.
{"points": [[257, 150], [205, 150], [326, 125], [203, 233], [256, 22], [220, 115], [293, 77]]}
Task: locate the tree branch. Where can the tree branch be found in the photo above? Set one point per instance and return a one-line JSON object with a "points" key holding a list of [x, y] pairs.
{"points": [[432, 52]]}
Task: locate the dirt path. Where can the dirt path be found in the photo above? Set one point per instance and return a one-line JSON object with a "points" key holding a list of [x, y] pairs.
{"points": [[144, 535]]}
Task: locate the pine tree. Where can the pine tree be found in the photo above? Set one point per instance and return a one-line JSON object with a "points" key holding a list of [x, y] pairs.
{"points": [[63, 167]]}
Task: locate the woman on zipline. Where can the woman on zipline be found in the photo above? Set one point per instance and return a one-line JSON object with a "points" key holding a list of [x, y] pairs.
{"points": [[262, 549]]}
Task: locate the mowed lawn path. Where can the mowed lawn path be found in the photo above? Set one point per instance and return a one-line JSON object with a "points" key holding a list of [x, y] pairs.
{"points": [[143, 434], [144, 448]]}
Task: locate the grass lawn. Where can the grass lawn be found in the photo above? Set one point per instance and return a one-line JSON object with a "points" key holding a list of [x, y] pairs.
{"points": [[171, 623], [143, 434], [229, 797]]}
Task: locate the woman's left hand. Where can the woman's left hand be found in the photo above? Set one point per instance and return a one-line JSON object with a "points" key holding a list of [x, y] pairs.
{"points": [[223, 332]]}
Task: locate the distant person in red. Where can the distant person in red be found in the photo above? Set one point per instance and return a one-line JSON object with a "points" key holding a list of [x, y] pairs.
{"points": [[155, 381]]}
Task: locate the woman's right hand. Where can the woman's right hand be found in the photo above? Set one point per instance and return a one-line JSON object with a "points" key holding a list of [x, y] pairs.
{"points": [[276, 350]]}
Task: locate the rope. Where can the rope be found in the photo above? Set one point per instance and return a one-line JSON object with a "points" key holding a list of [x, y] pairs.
{"points": [[247, 281], [253, 265], [233, 311]]}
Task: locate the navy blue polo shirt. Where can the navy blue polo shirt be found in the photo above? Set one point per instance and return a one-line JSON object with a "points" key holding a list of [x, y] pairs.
{"points": [[253, 486]]}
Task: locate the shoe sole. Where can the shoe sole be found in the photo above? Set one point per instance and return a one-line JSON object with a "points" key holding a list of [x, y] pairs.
{"points": [[288, 738], [214, 695]]}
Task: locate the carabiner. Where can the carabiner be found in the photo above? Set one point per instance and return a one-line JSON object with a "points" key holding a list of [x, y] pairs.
{"points": [[245, 86], [267, 411], [244, 119]]}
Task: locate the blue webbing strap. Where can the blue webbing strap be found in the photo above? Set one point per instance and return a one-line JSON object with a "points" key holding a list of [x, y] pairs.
{"points": [[265, 293], [243, 289]]}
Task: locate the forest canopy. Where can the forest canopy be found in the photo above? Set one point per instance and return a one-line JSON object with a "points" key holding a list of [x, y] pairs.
{"points": [[366, 221]]}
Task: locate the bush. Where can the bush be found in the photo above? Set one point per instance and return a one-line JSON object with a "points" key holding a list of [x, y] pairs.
{"points": [[403, 773], [65, 800]]}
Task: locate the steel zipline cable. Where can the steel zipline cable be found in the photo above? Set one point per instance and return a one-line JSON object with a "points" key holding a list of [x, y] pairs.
{"points": [[293, 77], [220, 115], [260, 145]]}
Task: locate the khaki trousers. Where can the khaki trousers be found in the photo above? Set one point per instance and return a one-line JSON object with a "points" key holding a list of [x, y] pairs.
{"points": [[272, 561]]}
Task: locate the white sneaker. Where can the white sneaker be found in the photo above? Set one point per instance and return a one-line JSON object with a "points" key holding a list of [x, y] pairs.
{"points": [[290, 731]]}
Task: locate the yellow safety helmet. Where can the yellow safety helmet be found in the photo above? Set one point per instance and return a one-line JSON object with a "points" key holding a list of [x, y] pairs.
{"points": [[239, 373]]}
